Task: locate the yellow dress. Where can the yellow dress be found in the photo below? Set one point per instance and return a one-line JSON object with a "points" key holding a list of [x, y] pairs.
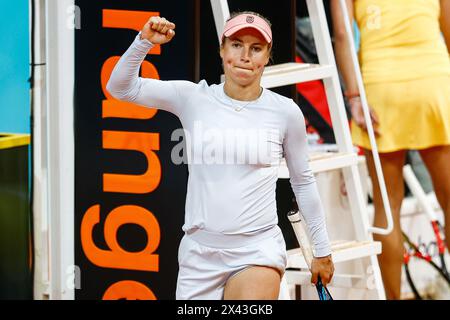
{"points": [[406, 71]]}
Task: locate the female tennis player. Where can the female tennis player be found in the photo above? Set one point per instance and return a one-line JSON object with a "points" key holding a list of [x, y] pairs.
{"points": [[232, 247]]}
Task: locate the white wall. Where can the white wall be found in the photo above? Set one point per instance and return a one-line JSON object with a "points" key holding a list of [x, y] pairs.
{"points": [[54, 145]]}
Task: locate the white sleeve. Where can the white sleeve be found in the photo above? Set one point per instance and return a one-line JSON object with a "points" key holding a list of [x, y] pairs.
{"points": [[125, 83], [303, 182]]}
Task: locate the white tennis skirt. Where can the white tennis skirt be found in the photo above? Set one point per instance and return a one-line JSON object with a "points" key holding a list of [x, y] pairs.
{"points": [[207, 260]]}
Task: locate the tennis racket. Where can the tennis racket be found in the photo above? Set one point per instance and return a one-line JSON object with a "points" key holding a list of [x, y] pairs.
{"points": [[297, 223], [422, 257], [423, 254]]}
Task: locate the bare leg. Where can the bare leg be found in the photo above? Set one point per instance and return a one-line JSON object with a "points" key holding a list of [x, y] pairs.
{"points": [[391, 258], [437, 160], [255, 283]]}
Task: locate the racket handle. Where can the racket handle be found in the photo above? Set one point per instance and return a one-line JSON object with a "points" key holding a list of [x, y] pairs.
{"points": [[322, 291], [296, 221], [302, 236]]}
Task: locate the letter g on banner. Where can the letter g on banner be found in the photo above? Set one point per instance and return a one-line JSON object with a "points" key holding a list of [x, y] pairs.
{"points": [[117, 257]]}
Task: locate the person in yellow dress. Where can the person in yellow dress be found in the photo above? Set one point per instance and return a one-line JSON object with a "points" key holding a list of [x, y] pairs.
{"points": [[405, 65]]}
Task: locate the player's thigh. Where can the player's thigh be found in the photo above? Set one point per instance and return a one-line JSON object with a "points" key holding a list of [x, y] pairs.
{"points": [[254, 283]]}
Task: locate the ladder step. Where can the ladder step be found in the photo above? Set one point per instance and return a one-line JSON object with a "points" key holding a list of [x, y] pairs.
{"points": [[341, 251], [296, 277], [322, 161], [293, 72]]}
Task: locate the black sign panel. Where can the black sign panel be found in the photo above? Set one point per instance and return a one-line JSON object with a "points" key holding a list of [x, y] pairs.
{"points": [[129, 195]]}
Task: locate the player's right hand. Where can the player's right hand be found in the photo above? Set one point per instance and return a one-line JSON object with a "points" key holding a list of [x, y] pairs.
{"points": [[322, 267], [158, 30]]}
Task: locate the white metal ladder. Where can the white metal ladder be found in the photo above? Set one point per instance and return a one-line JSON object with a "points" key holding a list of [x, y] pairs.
{"points": [[362, 250]]}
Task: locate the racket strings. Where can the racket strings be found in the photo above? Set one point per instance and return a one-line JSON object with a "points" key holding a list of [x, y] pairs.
{"points": [[425, 253]]}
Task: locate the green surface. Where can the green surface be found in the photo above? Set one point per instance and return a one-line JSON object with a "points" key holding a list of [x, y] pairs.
{"points": [[15, 274]]}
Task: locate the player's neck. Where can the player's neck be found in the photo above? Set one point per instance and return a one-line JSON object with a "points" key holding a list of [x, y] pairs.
{"points": [[243, 93]]}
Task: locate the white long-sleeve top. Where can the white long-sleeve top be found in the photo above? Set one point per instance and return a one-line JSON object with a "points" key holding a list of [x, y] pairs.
{"points": [[232, 156]]}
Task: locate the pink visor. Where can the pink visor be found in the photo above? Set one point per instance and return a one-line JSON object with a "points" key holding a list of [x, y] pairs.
{"points": [[247, 21]]}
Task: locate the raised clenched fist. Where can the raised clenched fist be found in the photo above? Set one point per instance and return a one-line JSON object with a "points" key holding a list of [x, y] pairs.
{"points": [[158, 30]]}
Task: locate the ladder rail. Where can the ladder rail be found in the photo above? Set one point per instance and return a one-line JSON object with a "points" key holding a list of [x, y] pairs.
{"points": [[339, 119], [221, 13], [357, 201], [365, 107], [325, 54]]}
